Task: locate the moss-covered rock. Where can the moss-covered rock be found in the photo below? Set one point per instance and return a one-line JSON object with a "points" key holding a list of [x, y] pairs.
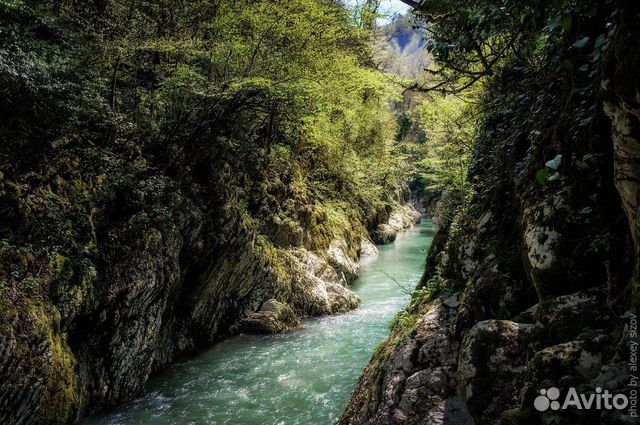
{"points": [[39, 368], [411, 378], [273, 317], [565, 317], [402, 217], [545, 248], [491, 366]]}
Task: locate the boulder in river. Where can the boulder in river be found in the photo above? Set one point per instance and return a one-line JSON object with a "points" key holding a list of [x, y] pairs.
{"points": [[401, 218], [273, 317]]}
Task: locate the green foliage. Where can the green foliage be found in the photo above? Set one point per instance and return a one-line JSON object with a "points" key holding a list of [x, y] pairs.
{"points": [[403, 320], [470, 40], [435, 286], [449, 125], [512, 49], [121, 118], [549, 172], [543, 81]]}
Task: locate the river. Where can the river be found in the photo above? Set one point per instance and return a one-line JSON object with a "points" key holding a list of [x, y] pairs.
{"points": [[303, 377]]}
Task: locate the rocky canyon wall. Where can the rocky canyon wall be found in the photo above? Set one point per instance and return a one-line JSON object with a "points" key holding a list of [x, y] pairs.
{"points": [[534, 285]]}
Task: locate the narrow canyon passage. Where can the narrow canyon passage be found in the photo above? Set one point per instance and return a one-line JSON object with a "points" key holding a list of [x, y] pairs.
{"points": [[180, 178], [302, 377]]}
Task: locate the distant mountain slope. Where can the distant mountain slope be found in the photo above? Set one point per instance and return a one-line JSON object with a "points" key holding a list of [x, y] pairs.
{"points": [[400, 48]]}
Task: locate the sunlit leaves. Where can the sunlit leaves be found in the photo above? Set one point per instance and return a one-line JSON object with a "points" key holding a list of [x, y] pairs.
{"points": [[554, 163], [449, 125], [550, 171]]}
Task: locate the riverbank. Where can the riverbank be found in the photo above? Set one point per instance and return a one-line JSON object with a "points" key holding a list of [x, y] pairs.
{"points": [[300, 377]]}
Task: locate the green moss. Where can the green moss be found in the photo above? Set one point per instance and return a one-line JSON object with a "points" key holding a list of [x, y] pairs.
{"points": [[62, 399], [7, 314], [277, 259], [62, 266], [378, 350]]}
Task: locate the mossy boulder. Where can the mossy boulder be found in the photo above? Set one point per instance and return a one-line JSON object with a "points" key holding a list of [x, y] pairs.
{"points": [[384, 234], [566, 317], [273, 317], [402, 217], [580, 364], [491, 366]]}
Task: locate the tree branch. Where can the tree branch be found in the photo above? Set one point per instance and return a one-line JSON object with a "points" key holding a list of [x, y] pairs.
{"points": [[414, 4]]}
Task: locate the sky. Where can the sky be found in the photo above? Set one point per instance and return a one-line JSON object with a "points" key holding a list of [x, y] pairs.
{"points": [[392, 7], [388, 8]]}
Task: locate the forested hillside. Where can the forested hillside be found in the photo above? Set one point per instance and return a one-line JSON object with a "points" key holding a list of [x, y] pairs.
{"points": [[166, 168]]}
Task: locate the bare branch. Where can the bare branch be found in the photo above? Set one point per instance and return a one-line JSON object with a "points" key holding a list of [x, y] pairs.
{"points": [[401, 286]]}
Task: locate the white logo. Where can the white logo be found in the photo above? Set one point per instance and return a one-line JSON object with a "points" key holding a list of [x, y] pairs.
{"points": [[543, 401], [548, 398]]}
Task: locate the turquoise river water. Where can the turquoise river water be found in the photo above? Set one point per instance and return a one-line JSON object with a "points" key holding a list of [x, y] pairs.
{"points": [[303, 377]]}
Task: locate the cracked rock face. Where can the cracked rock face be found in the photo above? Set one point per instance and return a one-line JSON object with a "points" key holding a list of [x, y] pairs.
{"points": [[484, 355], [413, 381], [491, 366], [437, 372]]}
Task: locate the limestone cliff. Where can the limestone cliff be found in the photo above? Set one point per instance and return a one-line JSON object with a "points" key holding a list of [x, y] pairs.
{"points": [[163, 291], [533, 284]]}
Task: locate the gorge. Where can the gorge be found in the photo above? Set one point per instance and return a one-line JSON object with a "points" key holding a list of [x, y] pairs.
{"points": [[304, 376], [191, 193]]}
